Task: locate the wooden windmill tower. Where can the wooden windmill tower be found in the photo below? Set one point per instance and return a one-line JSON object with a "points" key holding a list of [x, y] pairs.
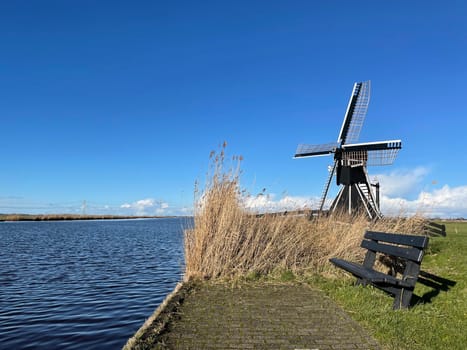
{"points": [[351, 159]]}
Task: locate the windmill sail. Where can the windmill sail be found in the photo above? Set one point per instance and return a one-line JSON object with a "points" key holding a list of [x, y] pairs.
{"points": [[355, 114], [372, 153], [326, 187], [351, 159], [304, 150]]}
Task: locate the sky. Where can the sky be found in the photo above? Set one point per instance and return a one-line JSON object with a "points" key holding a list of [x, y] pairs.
{"points": [[113, 107]]}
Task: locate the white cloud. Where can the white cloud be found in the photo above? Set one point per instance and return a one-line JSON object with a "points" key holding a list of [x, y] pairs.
{"points": [[399, 186], [151, 206], [401, 183], [147, 206], [268, 203], [162, 210], [403, 192], [395, 186], [446, 202]]}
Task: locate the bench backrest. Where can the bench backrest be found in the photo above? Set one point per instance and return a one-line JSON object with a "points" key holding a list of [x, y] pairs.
{"points": [[412, 249], [434, 229]]}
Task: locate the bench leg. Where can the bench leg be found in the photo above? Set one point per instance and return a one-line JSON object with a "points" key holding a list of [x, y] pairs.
{"points": [[402, 299], [361, 282]]}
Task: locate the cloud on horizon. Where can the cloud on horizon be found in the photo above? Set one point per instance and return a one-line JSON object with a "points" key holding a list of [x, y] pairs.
{"points": [[402, 192], [445, 202], [397, 188], [148, 206], [268, 203], [402, 183]]}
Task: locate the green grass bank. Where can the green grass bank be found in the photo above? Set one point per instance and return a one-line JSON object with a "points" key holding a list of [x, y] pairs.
{"points": [[438, 320]]}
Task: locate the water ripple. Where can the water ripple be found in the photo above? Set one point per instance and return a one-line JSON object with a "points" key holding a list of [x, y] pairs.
{"points": [[84, 284]]}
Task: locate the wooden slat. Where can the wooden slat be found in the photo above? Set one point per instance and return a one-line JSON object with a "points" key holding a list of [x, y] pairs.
{"points": [[370, 275], [435, 229], [408, 240], [440, 226], [413, 254]]}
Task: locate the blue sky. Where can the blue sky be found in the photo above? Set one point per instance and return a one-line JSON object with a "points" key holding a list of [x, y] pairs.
{"points": [[120, 103]]}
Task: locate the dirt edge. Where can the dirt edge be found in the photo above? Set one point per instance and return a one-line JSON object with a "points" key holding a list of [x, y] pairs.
{"points": [[158, 321]]}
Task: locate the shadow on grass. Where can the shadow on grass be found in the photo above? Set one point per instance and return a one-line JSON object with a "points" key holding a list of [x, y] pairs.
{"points": [[437, 284]]}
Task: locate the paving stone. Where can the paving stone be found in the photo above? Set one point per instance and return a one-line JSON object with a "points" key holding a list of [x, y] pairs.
{"points": [[260, 316]]}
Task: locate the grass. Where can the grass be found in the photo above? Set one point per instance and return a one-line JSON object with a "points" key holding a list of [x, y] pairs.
{"points": [[439, 318]]}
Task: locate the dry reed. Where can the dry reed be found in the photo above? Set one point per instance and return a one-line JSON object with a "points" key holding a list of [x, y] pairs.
{"points": [[229, 241]]}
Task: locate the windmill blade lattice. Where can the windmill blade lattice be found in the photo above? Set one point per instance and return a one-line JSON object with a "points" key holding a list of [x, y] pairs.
{"points": [[355, 114], [304, 150], [371, 153], [326, 187]]}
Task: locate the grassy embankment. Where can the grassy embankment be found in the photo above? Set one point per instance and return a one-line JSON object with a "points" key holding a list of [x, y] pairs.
{"points": [[227, 242]]}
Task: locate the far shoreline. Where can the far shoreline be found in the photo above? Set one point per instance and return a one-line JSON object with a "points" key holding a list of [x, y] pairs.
{"points": [[69, 217]]}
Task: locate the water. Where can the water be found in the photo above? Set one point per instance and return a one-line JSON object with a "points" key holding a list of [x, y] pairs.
{"points": [[84, 284]]}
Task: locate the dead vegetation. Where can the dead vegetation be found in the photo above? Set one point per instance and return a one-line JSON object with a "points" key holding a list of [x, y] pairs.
{"points": [[229, 241]]}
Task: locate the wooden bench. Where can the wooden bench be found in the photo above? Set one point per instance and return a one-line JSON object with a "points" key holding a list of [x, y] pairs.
{"points": [[434, 229], [403, 250]]}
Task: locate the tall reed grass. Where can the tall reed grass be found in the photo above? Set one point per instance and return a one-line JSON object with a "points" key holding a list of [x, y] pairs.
{"points": [[229, 241]]}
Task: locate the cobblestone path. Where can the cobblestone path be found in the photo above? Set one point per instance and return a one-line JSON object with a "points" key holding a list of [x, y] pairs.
{"points": [[259, 316]]}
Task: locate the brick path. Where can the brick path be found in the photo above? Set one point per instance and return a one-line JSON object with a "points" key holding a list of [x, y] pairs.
{"points": [[258, 316]]}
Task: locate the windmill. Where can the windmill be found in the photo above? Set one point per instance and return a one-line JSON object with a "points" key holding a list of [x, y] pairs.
{"points": [[351, 159]]}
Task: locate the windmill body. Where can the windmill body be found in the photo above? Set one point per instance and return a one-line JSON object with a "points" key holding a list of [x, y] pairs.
{"points": [[351, 159]]}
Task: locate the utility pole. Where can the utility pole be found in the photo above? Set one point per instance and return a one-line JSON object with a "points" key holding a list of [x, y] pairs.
{"points": [[83, 208]]}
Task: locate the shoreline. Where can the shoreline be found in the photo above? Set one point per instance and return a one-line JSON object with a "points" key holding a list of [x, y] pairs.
{"points": [[161, 316], [69, 217]]}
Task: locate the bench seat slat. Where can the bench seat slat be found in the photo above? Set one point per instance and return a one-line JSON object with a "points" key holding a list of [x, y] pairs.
{"points": [[408, 240], [413, 254], [369, 274]]}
